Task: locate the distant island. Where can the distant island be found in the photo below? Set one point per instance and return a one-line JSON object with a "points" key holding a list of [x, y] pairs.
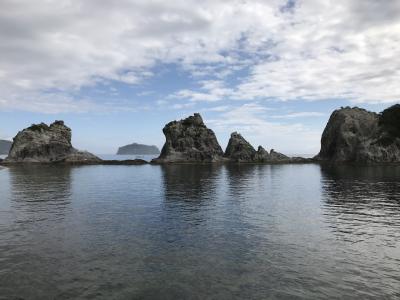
{"points": [[5, 147], [138, 149]]}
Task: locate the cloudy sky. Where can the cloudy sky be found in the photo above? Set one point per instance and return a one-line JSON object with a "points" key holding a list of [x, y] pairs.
{"points": [[117, 71]]}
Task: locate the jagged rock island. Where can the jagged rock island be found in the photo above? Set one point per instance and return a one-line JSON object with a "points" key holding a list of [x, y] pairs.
{"points": [[360, 136], [138, 149], [240, 150], [5, 147], [42, 143], [189, 140]]}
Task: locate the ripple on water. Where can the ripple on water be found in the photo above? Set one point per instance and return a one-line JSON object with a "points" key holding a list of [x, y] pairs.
{"points": [[199, 231]]}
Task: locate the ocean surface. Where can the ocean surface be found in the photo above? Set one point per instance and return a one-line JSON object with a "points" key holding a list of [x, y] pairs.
{"points": [[200, 232]]}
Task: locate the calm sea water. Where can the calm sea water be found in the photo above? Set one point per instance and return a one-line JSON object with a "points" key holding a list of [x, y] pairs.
{"points": [[199, 232]]}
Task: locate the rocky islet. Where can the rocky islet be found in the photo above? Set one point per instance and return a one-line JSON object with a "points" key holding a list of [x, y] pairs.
{"points": [[351, 135], [360, 136]]}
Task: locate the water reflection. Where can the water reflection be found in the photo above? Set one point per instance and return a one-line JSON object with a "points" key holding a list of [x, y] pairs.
{"points": [[30, 234], [190, 182], [199, 232], [40, 183], [362, 203]]}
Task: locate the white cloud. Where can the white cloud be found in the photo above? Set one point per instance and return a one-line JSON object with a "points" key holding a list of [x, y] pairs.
{"points": [[252, 122], [315, 50], [303, 114], [211, 91]]}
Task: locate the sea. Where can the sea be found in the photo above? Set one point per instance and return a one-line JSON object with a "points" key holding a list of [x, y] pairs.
{"points": [[300, 231]]}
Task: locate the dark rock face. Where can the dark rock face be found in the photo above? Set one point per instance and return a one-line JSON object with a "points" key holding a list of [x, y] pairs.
{"points": [[138, 149], [189, 140], [239, 149], [43, 143], [389, 122], [5, 147], [261, 155], [357, 135], [276, 156]]}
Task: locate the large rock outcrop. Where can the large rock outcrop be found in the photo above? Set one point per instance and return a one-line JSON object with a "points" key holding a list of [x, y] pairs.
{"points": [[138, 149], [189, 140], [43, 143], [361, 136]]}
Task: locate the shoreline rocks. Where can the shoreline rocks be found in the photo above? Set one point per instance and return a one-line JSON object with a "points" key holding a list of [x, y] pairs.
{"points": [[41, 143], [238, 149], [355, 135], [189, 140], [352, 135], [241, 151]]}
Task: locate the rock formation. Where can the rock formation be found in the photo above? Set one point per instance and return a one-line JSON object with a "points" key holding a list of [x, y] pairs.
{"points": [[189, 140], [5, 147], [239, 149], [358, 135], [138, 149], [261, 155], [276, 156], [43, 143]]}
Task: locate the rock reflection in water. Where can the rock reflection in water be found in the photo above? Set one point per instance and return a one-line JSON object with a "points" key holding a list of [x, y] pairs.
{"points": [[40, 183], [190, 182], [199, 232], [362, 196], [39, 200], [362, 208]]}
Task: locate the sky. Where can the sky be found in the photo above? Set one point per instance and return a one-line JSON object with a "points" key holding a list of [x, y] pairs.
{"points": [[117, 71]]}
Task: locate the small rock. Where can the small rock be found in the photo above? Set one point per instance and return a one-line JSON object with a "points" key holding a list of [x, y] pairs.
{"points": [[239, 149], [262, 155], [276, 156]]}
